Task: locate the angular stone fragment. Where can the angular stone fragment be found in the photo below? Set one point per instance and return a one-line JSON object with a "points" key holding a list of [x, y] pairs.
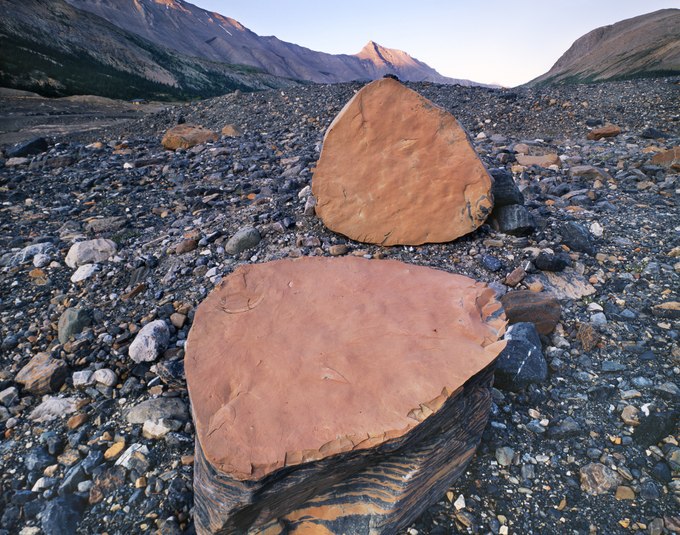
{"points": [[505, 190], [541, 309], [53, 408], [27, 148], [513, 219], [185, 136], [668, 158], [397, 169], [590, 172], [336, 369], [521, 362], [577, 238], [609, 130], [106, 224], [90, 251], [157, 409], [43, 374]]}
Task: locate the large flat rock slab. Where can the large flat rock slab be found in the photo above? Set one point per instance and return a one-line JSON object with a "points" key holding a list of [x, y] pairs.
{"points": [[299, 362], [397, 169]]}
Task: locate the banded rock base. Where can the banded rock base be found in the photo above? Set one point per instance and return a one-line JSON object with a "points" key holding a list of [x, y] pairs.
{"points": [[372, 491]]}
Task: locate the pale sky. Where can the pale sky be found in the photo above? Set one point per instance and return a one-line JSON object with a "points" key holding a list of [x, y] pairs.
{"points": [[487, 41]]}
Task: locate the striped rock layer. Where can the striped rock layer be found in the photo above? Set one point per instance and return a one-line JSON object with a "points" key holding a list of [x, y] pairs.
{"points": [[336, 394]]}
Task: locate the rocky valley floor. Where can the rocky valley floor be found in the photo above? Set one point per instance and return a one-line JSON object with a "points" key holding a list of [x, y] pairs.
{"points": [[93, 438]]}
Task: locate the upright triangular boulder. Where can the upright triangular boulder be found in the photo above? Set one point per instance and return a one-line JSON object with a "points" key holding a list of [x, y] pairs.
{"points": [[397, 169]]}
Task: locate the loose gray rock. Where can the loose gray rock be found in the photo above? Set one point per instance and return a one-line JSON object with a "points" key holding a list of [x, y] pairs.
{"points": [[53, 408], [504, 456], [246, 238], [90, 251], [577, 238], [157, 409], [27, 253], [72, 322], [84, 272], [150, 341], [505, 191], [61, 516]]}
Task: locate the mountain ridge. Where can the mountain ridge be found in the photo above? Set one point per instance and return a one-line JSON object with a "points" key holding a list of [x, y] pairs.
{"points": [[54, 49], [197, 32], [644, 46]]}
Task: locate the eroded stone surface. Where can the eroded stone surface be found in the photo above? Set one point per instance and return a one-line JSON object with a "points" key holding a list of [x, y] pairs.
{"points": [[303, 338], [397, 169]]}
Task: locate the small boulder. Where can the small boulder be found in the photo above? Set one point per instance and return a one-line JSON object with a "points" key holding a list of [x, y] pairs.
{"points": [[43, 374], [244, 239], [84, 272], [577, 238], [590, 172], [597, 478], [27, 148], [606, 131], [231, 130], [157, 409], [90, 251], [150, 341], [185, 136], [668, 158], [504, 189], [72, 322], [52, 408], [61, 516], [552, 262]]}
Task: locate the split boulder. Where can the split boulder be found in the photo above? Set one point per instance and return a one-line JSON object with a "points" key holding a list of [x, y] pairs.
{"points": [[309, 376], [397, 169]]}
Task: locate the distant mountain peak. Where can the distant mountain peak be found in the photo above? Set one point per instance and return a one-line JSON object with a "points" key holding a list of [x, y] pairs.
{"points": [[190, 30]]}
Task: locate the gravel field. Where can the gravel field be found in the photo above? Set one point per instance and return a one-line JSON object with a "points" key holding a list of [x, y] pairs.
{"points": [[92, 437]]}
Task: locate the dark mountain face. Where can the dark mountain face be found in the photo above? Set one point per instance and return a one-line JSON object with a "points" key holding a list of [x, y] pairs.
{"points": [[644, 46], [196, 32], [50, 47]]}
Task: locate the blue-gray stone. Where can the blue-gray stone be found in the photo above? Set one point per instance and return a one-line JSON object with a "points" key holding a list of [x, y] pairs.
{"points": [[521, 362]]}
